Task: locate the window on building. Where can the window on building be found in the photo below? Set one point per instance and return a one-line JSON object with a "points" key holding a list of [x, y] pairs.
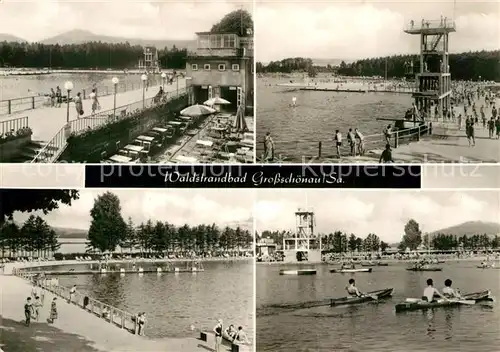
{"points": [[236, 67], [216, 41], [222, 67], [194, 67], [203, 41], [229, 41], [206, 67]]}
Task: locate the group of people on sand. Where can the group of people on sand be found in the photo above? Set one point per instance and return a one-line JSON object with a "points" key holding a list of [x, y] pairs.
{"points": [[34, 304], [230, 333]]}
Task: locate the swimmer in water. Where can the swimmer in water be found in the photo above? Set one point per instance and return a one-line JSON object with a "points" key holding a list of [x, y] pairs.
{"points": [[294, 101]]}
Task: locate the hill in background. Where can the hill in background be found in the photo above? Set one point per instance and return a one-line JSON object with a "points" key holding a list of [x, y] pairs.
{"points": [[10, 38]]}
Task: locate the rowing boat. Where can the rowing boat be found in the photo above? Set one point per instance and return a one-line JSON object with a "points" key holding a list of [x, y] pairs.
{"points": [[424, 269], [374, 264], [298, 272], [367, 270], [488, 267], [483, 296], [367, 297]]}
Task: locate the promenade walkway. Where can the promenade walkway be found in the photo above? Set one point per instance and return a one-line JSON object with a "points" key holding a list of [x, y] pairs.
{"points": [[74, 330], [45, 122]]}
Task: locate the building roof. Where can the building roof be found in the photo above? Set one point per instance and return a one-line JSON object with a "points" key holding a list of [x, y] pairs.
{"points": [[205, 33]]}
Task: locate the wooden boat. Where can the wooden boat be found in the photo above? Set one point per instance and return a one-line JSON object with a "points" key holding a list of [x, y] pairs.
{"points": [[382, 264], [369, 296], [298, 272], [366, 270], [424, 269], [368, 264], [483, 296]]}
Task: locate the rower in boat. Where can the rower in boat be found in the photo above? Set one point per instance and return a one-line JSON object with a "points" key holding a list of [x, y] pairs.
{"points": [[352, 290], [448, 291], [430, 291]]}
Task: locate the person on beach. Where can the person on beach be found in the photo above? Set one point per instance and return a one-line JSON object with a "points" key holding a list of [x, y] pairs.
{"points": [[72, 293], [53, 311], [352, 142], [36, 308], [78, 105], [388, 134], [52, 97], [360, 141], [386, 156], [28, 310], [141, 322], [338, 142], [58, 97], [95, 103], [218, 329], [268, 147]]}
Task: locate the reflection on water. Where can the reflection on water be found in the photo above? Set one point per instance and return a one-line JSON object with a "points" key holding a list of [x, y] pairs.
{"points": [[318, 114], [290, 316], [174, 302]]}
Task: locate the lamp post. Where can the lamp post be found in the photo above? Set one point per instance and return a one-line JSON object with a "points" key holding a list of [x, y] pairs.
{"points": [[67, 129], [163, 77], [115, 81], [69, 87], [144, 78], [177, 82]]}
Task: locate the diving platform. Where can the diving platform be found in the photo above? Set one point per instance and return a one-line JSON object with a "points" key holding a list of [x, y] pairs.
{"points": [[434, 27]]}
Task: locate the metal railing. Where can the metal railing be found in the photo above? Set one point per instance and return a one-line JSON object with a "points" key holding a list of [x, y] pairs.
{"points": [[10, 106], [56, 146], [13, 125], [108, 313], [444, 23], [304, 151]]}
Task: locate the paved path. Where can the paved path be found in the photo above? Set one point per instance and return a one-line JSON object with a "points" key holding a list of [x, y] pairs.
{"points": [[74, 331], [46, 122]]}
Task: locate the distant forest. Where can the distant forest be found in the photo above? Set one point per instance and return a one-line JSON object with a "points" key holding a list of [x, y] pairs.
{"points": [[484, 65], [95, 55]]}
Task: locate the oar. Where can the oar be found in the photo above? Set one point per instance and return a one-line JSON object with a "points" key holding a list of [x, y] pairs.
{"points": [[469, 302], [374, 297]]}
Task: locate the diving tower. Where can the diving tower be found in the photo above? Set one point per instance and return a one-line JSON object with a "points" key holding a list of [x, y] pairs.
{"points": [[434, 79], [304, 245]]}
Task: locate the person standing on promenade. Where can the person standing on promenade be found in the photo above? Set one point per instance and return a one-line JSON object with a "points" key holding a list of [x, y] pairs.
{"points": [[78, 105], [386, 156], [338, 142], [218, 335], [142, 323], [28, 310], [352, 142], [491, 127], [95, 102], [53, 311], [52, 97], [497, 125], [469, 131]]}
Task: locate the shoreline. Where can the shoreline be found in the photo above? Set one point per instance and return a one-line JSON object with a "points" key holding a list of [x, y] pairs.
{"points": [[8, 267], [388, 261]]}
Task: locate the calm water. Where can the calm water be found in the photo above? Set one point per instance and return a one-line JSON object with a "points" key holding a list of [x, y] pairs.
{"points": [[318, 114], [174, 302], [22, 86], [374, 327]]}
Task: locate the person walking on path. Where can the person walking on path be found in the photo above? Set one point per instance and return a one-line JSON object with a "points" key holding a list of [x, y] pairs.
{"points": [[58, 97], [53, 311], [388, 134], [36, 308]]}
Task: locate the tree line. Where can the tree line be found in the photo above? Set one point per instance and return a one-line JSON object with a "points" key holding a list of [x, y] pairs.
{"points": [[336, 242], [476, 65], [108, 230], [34, 236], [91, 55]]}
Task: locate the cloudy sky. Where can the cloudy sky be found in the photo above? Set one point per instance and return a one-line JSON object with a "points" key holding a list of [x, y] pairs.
{"points": [[177, 206], [381, 212], [360, 29], [40, 19]]}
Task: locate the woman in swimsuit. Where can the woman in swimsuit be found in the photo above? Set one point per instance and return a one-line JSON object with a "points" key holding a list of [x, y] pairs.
{"points": [[218, 335]]}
